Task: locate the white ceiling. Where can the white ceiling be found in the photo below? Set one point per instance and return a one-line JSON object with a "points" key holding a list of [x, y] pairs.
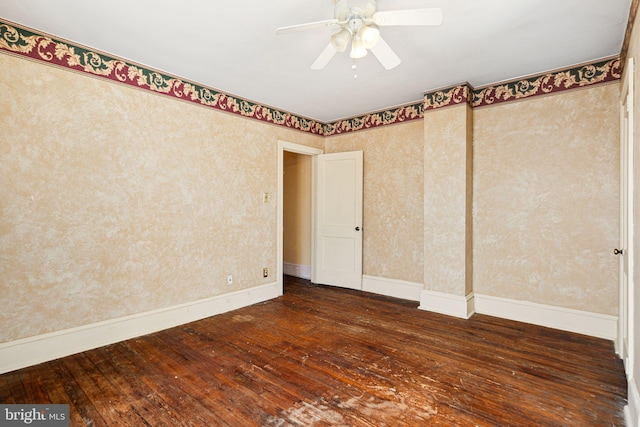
{"points": [[231, 45]]}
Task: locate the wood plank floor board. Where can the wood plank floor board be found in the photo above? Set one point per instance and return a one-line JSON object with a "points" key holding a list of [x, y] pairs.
{"points": [[140, 398], [167, 383], [246, 364], [64, 388], [112, 404], [245, 361], [12, 389], [446, 355], [324, 356], [230, 383]]}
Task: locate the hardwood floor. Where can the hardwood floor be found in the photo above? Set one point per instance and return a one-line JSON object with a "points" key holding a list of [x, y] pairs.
{"points": [[326, 356]]}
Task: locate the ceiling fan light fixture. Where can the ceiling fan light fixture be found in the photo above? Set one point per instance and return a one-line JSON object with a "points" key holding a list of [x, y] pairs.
{"points": [[358, 50], [357, 22], [369, 36], [341, 39]]}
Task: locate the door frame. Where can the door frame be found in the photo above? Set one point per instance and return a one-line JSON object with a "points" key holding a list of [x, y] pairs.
{"points": [[626, 308], [309, 151]]}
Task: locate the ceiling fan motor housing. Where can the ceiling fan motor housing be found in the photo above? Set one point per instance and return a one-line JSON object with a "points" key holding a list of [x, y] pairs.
{"points": [[364, 8]]}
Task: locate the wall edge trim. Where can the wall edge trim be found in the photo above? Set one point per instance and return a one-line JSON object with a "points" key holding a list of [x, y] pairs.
{"points": [[392, 287], [448, 304], [42, 348], [632, 409], [297, 270], [562, 318]]}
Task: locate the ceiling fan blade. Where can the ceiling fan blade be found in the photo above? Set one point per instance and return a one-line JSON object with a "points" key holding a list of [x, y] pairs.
{"points": [[324, 57], [431, 16], [385, 55], [308, 26]]}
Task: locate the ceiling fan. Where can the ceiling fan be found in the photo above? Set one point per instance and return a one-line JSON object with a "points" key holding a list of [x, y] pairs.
{"points": [[358, 24]]}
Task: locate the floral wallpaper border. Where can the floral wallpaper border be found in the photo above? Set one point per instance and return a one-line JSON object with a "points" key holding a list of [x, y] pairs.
{"points": [[372, 120], [20, 41], [572, 78], [454, 95]]}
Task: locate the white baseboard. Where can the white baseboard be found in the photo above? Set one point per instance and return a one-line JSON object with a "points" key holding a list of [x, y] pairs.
{"points": [[566, 319], [392, 287], [42, 348], [449, 304], [632, 409], [297, 270]]}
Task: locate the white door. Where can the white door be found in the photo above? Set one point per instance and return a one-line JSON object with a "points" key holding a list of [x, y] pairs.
{"points": [[625, 250], [339, 220]]}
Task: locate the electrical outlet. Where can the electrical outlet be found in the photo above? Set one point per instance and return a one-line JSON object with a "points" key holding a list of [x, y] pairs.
{"points": [[266, 197], [265, 272], [229, 280]]}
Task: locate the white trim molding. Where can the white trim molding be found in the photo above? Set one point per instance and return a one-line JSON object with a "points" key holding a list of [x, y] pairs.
{"points": [[42, 348], [565, 319], [449, 304], [297, 270], [392, 287], [632, 409]]}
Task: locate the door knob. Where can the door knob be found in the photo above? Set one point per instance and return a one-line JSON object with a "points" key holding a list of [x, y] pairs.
{"points": [[357, 228], [618, 251]]}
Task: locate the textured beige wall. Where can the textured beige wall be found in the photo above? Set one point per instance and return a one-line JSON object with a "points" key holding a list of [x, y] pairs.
{"points": [[447, 160], [546, 199], [296, 216], [393, 198], [115, 201]]}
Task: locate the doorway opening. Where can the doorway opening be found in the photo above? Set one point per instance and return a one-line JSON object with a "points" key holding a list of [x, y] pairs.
{"points": [[296, 195], [296, 221]]}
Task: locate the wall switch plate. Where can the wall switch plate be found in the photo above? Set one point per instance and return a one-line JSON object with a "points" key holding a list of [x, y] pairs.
{"points": [[266, 197], [265, 272], [229, 280]]}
